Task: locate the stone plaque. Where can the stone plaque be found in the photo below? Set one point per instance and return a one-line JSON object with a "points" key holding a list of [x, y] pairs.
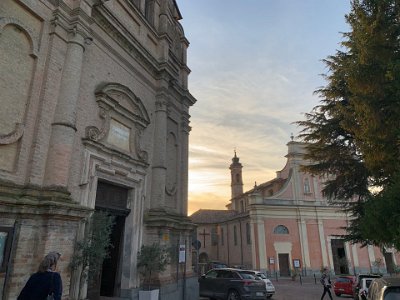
{"points": [[119, 135]]}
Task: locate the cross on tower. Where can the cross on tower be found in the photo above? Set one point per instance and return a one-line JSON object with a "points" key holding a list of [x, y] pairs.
{"points": [[204, 237]]}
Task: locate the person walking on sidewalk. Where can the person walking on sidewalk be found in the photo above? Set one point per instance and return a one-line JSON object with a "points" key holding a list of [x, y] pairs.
{"points": [[326, 282]]}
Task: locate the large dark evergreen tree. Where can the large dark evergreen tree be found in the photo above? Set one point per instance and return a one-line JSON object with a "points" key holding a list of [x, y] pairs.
{"points": [[354, 132]]}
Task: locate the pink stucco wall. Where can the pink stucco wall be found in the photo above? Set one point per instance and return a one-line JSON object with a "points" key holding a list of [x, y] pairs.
{"points": [[314, 244]]}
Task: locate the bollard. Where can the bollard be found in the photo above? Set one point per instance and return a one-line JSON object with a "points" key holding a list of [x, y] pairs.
{"points": [[276, 276], [315, 279], [301, 282]]}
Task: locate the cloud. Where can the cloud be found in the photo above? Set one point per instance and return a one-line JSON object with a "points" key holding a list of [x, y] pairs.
{"points": [[254, 70]]}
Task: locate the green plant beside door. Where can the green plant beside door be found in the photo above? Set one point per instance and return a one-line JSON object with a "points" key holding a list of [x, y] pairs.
{"points": [[94, 248], [152, 259]]}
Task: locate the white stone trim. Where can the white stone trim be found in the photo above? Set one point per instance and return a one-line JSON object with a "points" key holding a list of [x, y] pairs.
{"points": [[283, 248], [262, 251], [330, 254], [356, 263], [253, 244], [305, 253], [322, 241], [371, 255], [348, 256]]}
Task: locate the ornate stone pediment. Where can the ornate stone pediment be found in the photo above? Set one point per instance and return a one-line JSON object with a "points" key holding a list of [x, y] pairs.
{"points": [[124, 118]]}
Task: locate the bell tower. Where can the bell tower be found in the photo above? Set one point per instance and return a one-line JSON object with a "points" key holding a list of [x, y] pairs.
{"points": [[236, 177]]}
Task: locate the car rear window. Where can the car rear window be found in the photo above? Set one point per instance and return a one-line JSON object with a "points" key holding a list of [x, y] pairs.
{"points": [[245, 275], [392, 293], [342, 279], [261, 275]]}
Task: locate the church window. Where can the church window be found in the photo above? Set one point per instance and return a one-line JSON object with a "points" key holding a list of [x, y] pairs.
{"points": [[248, 233], [281, 229], [149, 11], [234, 235], [214, 236], [270, 192], [5, 246], [241, 206], [237, 178], [307, 189], [222, 236]]}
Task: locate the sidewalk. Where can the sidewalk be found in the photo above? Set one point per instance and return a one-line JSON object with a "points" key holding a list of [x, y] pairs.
{"points": [[308, 288]]}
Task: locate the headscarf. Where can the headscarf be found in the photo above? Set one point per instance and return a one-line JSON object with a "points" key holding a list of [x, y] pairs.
{"points": [[48, 261]]}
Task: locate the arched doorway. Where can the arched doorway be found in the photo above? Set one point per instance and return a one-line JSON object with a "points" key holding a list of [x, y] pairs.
{"points": [[203, 261]]}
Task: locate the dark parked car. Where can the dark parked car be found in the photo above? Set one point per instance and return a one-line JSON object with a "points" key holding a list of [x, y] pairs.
{"points": [[357, 285], [343, 285], [385, 289], [231, 284], [268, 284]]}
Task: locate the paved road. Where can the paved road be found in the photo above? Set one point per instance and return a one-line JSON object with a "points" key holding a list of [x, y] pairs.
{"points": [[286, 289]]}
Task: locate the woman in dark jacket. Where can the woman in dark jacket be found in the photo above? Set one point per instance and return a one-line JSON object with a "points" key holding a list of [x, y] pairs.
{"points": [[44, 282]]}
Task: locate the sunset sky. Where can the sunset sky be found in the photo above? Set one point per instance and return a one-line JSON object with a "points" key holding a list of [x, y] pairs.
{"points": [[255, 65]]}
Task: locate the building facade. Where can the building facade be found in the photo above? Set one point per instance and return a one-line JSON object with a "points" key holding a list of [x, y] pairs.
{"points": [[286, 226], [94, 116]]}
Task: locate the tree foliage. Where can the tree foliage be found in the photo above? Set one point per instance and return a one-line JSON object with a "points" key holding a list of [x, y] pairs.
{"points": [[94, 248], [353, 134], [152, 259]]}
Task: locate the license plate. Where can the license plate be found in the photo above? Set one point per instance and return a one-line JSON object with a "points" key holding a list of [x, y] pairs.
{"points": [[259, 294]]}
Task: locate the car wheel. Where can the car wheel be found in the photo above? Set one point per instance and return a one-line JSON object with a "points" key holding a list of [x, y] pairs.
{"points": [[233, 295], [269, 296], [337, 294]]}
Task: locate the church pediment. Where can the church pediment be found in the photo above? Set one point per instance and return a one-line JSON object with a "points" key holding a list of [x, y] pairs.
{"points": [[124, 117]]}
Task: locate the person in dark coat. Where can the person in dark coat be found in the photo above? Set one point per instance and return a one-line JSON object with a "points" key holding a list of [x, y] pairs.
{"points": [[44, 282], [326, 282]]}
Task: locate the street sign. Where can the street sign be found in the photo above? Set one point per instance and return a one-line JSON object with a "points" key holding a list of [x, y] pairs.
{"points": [[182, 253], [196, 244]]}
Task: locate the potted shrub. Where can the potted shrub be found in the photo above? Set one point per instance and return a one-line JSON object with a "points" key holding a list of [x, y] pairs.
{"points": [[152, 259], [294, 273]]}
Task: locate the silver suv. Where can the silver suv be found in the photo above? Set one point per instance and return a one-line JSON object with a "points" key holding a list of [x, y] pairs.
{"points": [[231, 284]]}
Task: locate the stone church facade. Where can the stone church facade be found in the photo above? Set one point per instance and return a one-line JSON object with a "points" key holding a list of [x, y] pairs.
{"points": [[284, 226], [94, 116]]}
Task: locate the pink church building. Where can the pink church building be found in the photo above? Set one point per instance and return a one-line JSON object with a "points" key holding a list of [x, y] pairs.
{"points": [[284, 226]]}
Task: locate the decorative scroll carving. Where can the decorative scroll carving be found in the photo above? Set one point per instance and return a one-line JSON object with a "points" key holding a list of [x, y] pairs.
{"points": [[13, 136], [171, 191], [141, 154], [121, 108], [95, 134]]}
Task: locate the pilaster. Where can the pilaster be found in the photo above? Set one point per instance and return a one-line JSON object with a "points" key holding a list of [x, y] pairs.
{"points": [[64, 121], [371, 255], [322, 241], [348, 256], [262, 246], [159, 169], [356, 263], [304, 244], [330, 254], [185, 129]]}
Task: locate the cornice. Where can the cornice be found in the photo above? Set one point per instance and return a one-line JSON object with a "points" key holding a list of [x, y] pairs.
{"points": [[166, 219], [35, 200], [106, 20], [111, 151], [110, 24]]}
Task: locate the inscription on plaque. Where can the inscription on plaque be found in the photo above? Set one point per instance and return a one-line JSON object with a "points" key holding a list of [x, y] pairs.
{"points": [[119, 135]]}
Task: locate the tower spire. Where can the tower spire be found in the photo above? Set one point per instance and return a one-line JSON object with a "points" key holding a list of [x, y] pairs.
{"points": [[236, 176]]}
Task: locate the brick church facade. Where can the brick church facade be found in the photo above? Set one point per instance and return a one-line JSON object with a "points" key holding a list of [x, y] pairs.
{"points": [[284, 226], [94, 115]]}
